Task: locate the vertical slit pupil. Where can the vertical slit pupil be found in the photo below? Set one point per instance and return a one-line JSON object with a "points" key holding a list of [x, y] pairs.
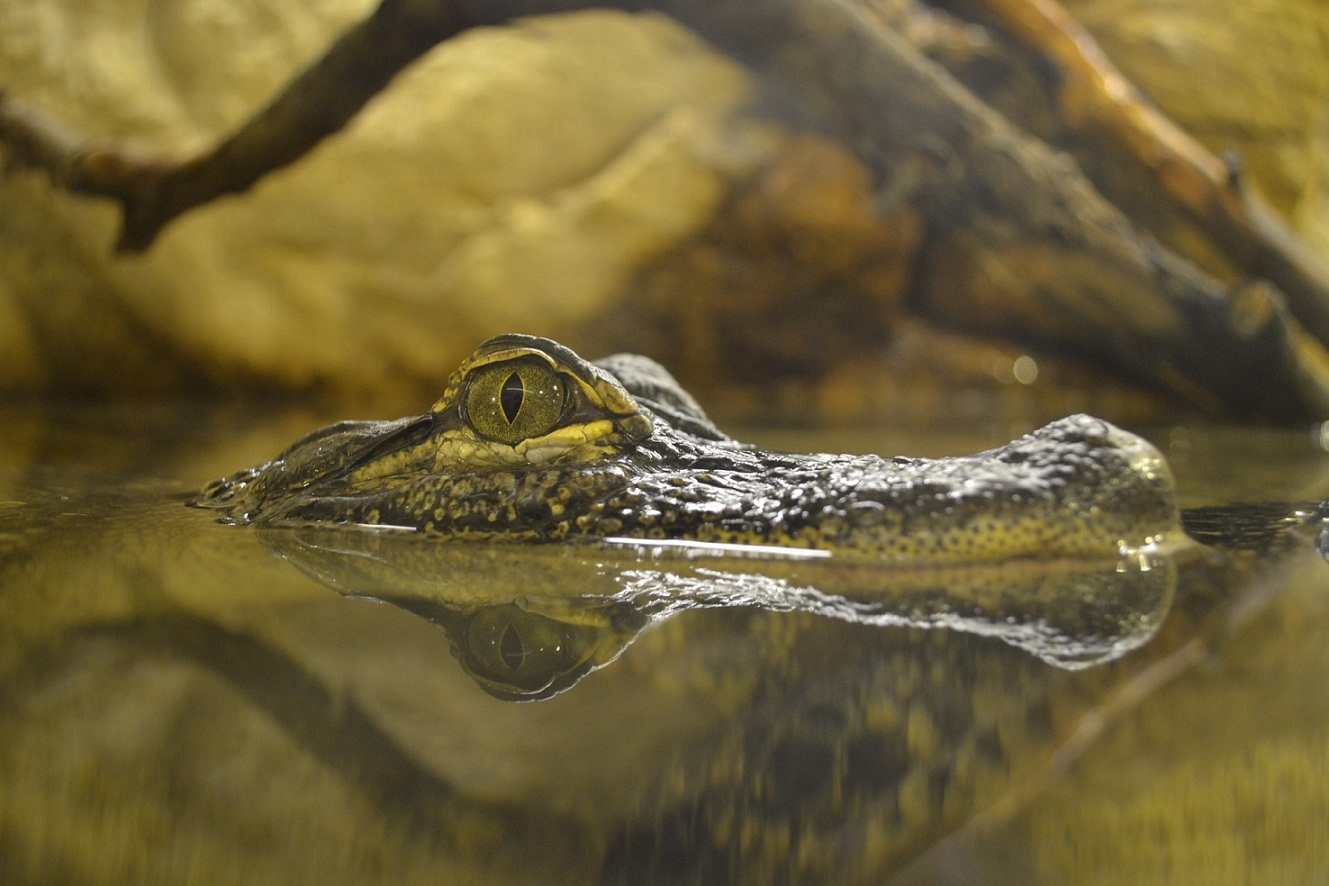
{"points": [[511, 648], [511, 396]]}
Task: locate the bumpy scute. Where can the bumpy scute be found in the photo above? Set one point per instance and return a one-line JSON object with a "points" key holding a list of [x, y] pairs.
{"points": [[624, 452]]}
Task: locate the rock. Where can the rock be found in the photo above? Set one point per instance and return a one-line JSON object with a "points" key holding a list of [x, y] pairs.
{"points": [[503, 182]]}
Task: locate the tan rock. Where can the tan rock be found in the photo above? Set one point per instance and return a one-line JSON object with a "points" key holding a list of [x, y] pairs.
{"points": [[505, 180]]}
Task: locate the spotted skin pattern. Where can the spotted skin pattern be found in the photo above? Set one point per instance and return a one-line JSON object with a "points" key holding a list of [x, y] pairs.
{"points": [[632, 455]]}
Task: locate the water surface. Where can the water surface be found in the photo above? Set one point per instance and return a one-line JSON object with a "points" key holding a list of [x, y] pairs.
{"points": [[188, 702]]}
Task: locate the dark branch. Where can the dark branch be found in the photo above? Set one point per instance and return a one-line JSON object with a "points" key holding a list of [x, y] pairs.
{"points": [[1097, 100]]}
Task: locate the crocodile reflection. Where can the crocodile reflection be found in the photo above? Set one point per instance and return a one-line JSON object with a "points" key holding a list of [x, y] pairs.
{"points": [[823, 662], [856, 712], [531, 443], [571, 613]]}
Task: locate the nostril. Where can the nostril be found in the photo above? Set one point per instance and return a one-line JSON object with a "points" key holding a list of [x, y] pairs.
{"points": [[223, 491]]}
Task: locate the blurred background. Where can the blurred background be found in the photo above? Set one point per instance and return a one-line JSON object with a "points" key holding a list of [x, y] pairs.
{"points": [[610, 180]]}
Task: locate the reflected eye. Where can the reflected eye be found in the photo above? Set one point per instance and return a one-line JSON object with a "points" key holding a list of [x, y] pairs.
{"points": [[510, 402], [518, 650], [519, 655]]}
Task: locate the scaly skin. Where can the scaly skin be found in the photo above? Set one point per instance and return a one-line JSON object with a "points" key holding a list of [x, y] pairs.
{"points": [[632, 455]]}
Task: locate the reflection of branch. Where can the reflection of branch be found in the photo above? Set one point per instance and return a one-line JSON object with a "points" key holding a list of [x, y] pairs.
{"points": [[1097, 99], [1088, 732], [324, 723], [328, 726], [1220, 612]]}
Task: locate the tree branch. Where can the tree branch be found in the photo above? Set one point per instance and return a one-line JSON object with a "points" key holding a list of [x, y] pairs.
{"points": [[1098, 100]]}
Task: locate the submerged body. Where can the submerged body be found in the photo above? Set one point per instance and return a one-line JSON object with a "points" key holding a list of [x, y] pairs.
{"points": [[531, 443]]}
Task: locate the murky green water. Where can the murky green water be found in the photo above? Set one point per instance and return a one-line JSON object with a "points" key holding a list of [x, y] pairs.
{"points": [[187, 702]]}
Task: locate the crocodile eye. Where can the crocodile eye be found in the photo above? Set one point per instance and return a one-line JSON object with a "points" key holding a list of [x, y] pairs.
{"points": [[510, 402]]}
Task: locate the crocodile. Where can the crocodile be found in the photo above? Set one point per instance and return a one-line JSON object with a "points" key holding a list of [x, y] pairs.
{"points": [[873, 616], [531, 443]]}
